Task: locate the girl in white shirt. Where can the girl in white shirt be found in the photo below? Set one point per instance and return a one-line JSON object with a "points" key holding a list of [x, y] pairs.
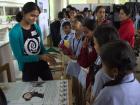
{"points": [[119, 62]]}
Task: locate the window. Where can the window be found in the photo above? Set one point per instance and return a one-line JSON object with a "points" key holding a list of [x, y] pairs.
{"points": [[97, 1], [1, 11], [11, 10], [123, 1], [78, 1]]}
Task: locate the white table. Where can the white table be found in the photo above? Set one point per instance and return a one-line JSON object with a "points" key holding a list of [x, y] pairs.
{"points": [[56, 92]]}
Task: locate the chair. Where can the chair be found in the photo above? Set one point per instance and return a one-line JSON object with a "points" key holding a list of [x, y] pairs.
{"points": [[6, 68]]}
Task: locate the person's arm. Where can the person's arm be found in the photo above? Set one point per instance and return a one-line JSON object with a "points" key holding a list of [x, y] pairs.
{"points": [[87, 55], [18, 50]]}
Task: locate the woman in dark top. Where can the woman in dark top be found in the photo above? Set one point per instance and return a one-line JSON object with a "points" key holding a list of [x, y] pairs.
{"points": [[27, 46]]}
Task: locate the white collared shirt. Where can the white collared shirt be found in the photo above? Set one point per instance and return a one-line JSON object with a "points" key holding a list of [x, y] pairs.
{"points": [[122, 94]]}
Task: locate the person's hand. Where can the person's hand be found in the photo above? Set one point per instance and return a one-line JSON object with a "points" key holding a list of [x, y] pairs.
{"points": [[85, 42], [43, 57], [87, 103], [73, 57], [48, 58]]}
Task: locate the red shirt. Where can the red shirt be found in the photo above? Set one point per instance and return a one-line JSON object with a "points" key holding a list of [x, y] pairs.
{"points": [[127, 31]]}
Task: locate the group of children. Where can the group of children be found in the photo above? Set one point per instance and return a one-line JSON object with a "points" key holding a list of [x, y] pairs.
{"points": [[101, 63]]}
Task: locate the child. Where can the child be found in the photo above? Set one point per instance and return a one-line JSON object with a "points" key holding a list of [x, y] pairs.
{"points": [[102, 35], [119, 63], [64, 43], [87, 53], [75, 44], [73, 67]]}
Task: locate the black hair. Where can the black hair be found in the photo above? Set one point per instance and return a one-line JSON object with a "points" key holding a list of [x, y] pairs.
{"points": [[85, 9], [126, 10], [98, 8], [67, 23], [80, 18], [64, 10], [28, 7], [120, 55], [73, 9], [105, 33], [89, 11], [67, 14], [90, 24], [69, 6], [60, 15], [3, 100]]}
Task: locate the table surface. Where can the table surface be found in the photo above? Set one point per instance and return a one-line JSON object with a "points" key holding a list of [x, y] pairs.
{"points": [[56, 92]]}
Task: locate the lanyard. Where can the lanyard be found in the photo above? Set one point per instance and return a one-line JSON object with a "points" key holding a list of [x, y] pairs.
{"points": [[75, 50]]}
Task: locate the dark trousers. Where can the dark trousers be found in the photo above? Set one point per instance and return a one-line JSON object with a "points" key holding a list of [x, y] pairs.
{"points": [[33, 70]]}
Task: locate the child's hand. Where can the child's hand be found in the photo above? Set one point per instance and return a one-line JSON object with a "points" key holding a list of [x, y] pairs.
{"points": [[85, 42], [73, 57], [87, 103]]}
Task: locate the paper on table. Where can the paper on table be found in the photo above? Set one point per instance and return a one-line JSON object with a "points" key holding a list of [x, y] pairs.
{"points": [[55, 92]]}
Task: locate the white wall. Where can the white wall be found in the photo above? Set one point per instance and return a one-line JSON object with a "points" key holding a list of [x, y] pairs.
{"points": [[14, 3], [56, 6], [81, 6]]}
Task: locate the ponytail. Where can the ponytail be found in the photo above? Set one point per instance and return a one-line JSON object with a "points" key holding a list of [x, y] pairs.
{"points": [[19, 16]]}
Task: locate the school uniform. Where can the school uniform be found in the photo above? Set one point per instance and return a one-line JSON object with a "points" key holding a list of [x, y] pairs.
{"points": [[126, 93], [85, 59], [100, 79], [73, 67], [67, 37], [93, 69], [61, 28]]}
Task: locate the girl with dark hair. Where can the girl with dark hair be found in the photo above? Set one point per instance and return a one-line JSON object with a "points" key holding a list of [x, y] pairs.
{"points": [[73, 67], [75, 45], [27, 46], [87, 54], [126, 30], [72, 13], [119, 63], [100, 13], [103, 34]]}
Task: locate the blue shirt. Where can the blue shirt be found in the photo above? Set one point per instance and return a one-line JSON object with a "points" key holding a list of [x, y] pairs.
{"points": [[126, 93], [100, 79], [76, 44]]}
